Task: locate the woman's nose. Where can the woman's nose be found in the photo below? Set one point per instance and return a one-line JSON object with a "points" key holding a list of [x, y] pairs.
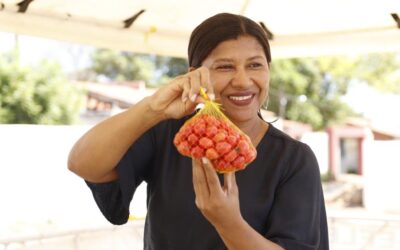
{"points": [[241, 79]]}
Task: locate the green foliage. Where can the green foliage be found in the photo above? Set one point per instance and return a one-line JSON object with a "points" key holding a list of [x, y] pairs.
{"points": [[39, 95], [171, 66], [324, 81], [381, 71], [122, 66], [309, 89], [126, 66]]}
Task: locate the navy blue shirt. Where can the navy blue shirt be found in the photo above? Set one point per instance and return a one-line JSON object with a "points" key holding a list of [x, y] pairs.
{"points": [[280, 193]]}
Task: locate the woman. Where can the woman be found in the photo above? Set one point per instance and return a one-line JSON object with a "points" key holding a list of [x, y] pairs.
{"points": [[275, 203]]}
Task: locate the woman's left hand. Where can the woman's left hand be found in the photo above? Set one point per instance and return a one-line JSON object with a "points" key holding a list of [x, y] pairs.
{"points": [[219, 204]]}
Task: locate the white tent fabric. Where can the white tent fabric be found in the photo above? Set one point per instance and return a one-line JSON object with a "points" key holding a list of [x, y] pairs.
{"points": [[299, 27]]}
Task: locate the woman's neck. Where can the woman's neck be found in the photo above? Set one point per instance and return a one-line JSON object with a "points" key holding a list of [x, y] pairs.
{"points": [[255, 129]]}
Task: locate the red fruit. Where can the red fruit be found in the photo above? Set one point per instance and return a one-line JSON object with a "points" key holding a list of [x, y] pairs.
{"points": [[229, 157], [231, 139], [250, 156], [243, 146], [224, 126], [211, 154], [219, 137], [192, 139], [238, 163], [211, 131], [205, 142], [184, 148], [199, 128], [177, 139], [185, 131], [223, 147], [220, 165], [211, 121], [197, 152]]}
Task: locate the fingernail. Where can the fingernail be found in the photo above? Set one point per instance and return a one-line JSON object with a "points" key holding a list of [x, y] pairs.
{"points": [[193, 97], [211, 96], [204, 160]]}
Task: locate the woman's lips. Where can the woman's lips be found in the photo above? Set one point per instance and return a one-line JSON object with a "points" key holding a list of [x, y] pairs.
{"points": [[241, 100]]}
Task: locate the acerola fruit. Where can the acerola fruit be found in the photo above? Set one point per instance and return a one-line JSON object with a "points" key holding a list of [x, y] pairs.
{"points": [[219, 137], [199, 129], [239, 162], [205, 142], [211, 120], [186, 131], [231, 139], [229, 157], [192, 139], [221, 165], [223, 147], [197, 152], [251, 155], [228, 148], [211, 131], [184, 148], [243, 146], [177, 139], [212, 154]]}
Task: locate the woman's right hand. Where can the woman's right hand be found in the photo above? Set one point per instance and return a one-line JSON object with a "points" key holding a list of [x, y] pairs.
{"points": [[181, 95]]}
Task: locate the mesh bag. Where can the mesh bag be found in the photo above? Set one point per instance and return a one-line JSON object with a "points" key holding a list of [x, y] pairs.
{"points": [[211, 134]]}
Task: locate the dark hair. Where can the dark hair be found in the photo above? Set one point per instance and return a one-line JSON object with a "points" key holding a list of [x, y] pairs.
{"points": [[219, 28]]}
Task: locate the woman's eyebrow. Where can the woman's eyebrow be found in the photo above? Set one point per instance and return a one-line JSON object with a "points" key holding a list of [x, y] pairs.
{"points": [[255, 57], [223, 60]]}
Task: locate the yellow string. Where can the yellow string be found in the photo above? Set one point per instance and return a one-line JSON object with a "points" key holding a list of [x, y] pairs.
{"points": [[204, 94], [211, 107]]}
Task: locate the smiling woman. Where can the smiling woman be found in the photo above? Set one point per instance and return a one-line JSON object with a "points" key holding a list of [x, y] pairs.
{"points": [[275, 203]]}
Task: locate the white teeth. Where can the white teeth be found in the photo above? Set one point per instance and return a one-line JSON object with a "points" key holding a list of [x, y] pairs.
{"points": [[240, 98]]}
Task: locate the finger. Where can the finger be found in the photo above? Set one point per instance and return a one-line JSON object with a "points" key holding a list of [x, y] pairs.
{"points": [[194, 78], [214, 184], [230, 182], [206, 83], [186, 89], [199, 181]]}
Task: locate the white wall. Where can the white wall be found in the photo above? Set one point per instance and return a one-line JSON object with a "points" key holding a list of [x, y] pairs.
{"points": [[37, 190], [382, 176], [318, 142]]}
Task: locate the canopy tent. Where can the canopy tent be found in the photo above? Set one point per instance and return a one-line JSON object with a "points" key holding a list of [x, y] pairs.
{"points": [[297, 27]]}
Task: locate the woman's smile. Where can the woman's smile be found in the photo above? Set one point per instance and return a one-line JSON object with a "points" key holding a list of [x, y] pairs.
{"points": [[241, 99]]}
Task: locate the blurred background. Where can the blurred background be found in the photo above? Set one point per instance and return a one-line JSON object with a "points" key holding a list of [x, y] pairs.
{"points": [[65, 66]]}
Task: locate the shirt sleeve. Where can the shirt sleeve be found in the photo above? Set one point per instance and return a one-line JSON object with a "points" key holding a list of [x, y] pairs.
{"points": [[114, 198], [295, 219]]}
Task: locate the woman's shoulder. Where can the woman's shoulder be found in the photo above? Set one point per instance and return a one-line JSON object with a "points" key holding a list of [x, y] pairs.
{"points": [[278, 138], [274, 133]]}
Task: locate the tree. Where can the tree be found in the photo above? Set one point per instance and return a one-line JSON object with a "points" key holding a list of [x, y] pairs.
{"points": [[122, 66], [309, 89], [381, 71], [37, 95]]}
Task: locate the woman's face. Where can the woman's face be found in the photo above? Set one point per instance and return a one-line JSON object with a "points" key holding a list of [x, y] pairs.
{"points": [[239, 73]]}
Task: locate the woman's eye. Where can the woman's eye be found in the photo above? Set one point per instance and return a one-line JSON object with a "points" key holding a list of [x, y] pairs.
{"points": [[224, 67], [255, 65]]}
